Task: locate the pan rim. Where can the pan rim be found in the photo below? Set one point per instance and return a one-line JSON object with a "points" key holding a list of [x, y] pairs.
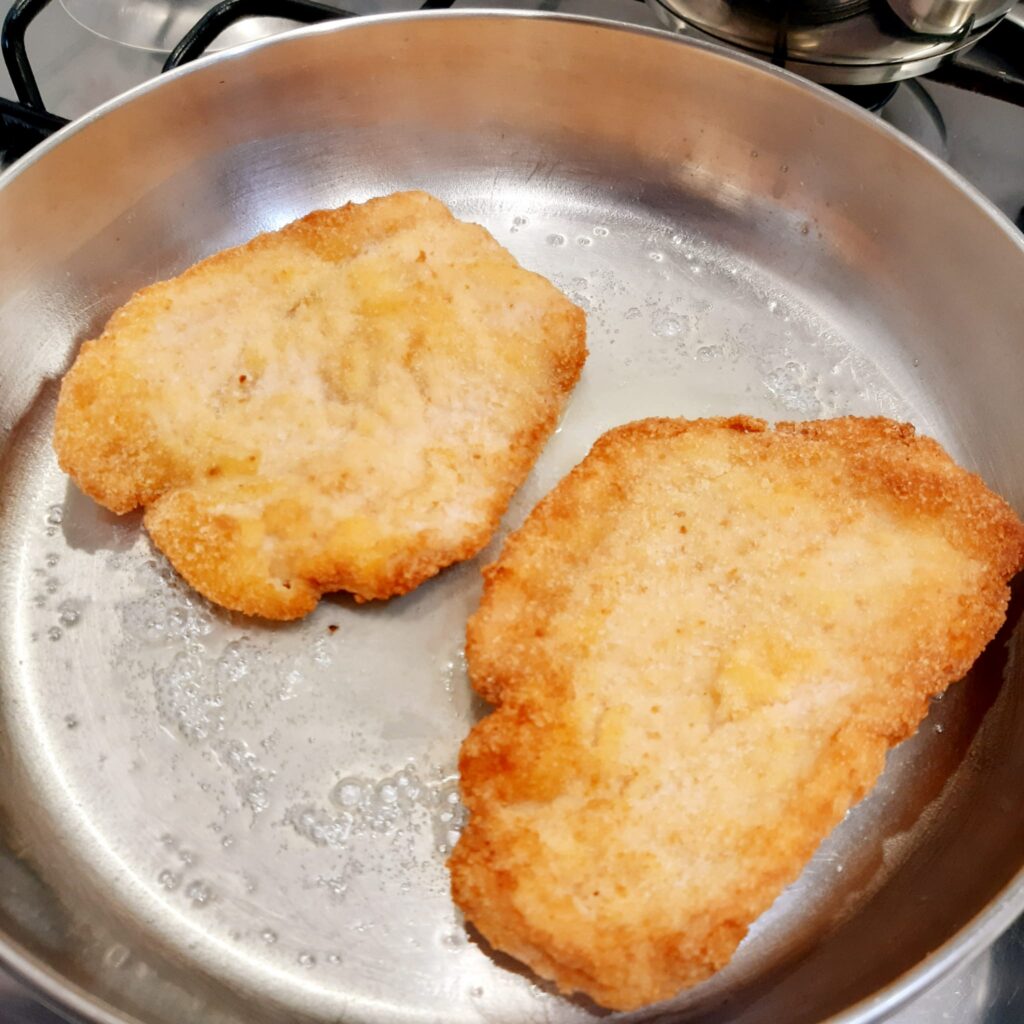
{"points": [[975, 935], [721, 51]]}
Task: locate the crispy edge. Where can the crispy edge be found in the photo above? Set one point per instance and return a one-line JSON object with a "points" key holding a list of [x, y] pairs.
{"points": [[84, 452], [510, 755]]}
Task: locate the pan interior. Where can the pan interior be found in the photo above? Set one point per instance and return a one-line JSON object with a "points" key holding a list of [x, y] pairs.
{"points": [[281, 798]]}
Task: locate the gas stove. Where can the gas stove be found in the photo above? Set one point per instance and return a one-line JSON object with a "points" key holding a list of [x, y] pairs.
{"points": [[970, 113]]}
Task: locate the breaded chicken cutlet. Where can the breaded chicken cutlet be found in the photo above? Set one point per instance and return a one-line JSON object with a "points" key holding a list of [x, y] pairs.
{"points": [[701, 645], [348, 403]]}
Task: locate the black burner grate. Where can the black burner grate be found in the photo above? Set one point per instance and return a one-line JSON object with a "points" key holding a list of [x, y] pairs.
{"points": [[26, 123], [224, 14]]}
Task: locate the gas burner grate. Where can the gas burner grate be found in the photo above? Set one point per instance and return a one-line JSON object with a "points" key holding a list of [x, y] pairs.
{"points": [[26, 123], [224, 14], [870, 97]]}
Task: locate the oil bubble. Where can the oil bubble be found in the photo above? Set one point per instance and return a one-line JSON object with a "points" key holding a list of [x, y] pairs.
{"points": [[69, 613], [387, 793], [667, 327], [708, 352], [199, 893], [168, 880], [348, 793]]}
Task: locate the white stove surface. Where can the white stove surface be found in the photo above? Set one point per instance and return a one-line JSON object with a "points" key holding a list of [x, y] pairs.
{"points": [[983, 139]]}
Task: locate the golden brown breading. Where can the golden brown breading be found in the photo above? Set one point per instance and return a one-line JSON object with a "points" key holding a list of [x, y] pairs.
{"points": [[701, 645], [348, 403]]}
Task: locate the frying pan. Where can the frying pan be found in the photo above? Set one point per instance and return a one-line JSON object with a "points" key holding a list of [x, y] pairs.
{"points": [[207, 817]]}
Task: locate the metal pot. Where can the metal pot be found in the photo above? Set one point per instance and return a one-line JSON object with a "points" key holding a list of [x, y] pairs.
{"points": [[843, 42], [744, 242]]}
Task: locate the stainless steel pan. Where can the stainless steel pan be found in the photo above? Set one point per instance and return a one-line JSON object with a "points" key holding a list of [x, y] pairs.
{"points": [[212, 819]]}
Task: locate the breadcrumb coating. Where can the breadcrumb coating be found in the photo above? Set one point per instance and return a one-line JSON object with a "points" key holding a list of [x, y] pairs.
{"points": [[701, 646], [348, 403]]}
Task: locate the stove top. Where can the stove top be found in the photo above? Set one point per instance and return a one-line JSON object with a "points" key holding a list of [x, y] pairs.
{"points": [[84, 52]]}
